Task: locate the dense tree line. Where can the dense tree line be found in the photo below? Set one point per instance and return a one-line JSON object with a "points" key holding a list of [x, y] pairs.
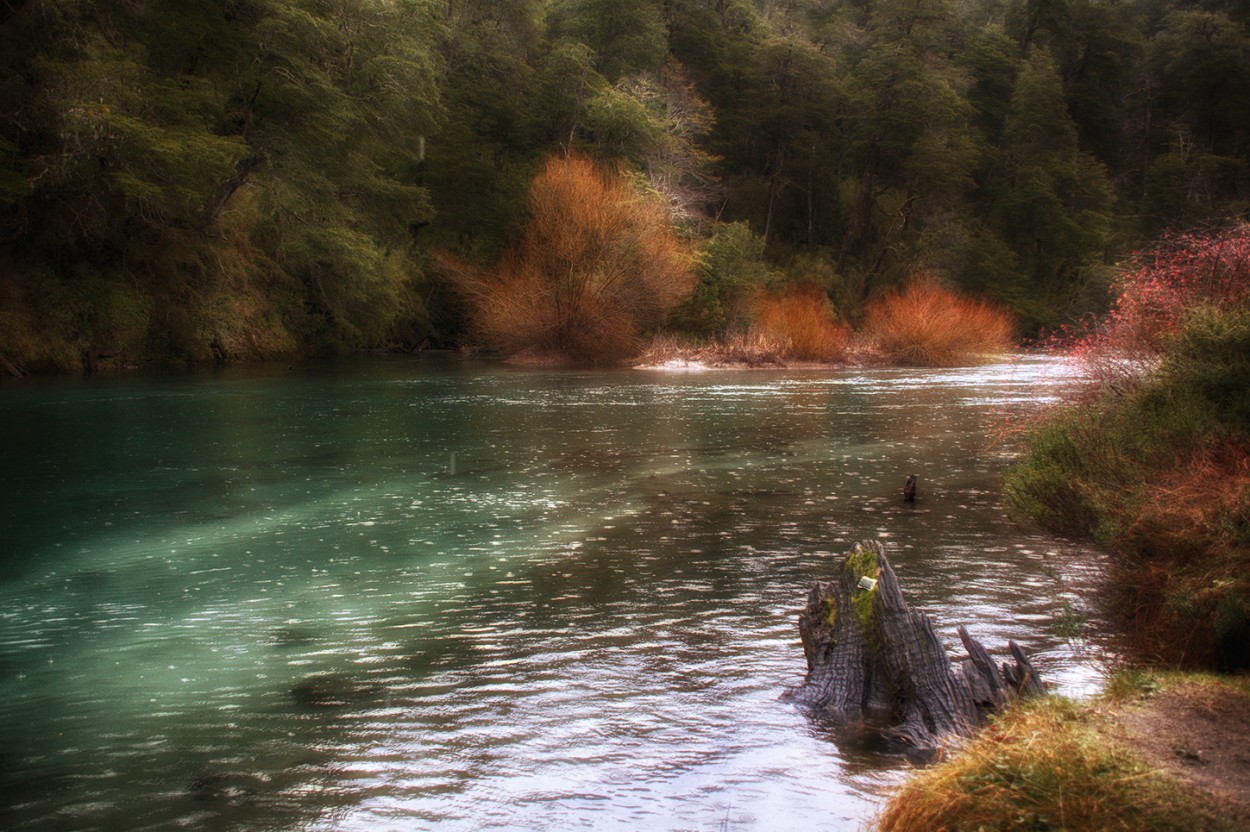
{"points": [[198, 180]]}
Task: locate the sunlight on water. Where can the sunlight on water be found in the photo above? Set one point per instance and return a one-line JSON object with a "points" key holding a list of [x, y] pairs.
{"points": [[422, 593]]}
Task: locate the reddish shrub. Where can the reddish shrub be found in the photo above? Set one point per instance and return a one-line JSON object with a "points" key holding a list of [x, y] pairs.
{"points": [[1155, 294], [930, 326], [597, 264], [801, 325]]}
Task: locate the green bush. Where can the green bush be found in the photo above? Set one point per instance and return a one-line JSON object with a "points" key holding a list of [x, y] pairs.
{"points": [[731, 270], [1209, 362]]}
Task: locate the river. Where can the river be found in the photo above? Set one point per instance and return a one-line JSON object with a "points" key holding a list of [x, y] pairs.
{"points": [[550, 600]]}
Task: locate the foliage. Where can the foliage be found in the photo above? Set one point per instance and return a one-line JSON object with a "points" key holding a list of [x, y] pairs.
{"points": [[927, 325], [731, 271], [1163, 288], [213, 181], [801, 324], [1161, 475], [256, 177], [597, 264], [625, 37], [1052, 200], [1044, 765], [1153, 460]]}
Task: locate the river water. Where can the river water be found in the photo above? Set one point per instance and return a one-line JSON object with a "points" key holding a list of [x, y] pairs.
{"points": [[542, 600]]}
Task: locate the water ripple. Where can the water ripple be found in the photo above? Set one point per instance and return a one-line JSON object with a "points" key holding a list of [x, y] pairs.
{"points": [[419, 596]]}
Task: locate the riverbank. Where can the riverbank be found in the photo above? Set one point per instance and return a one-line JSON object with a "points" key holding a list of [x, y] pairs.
{"points": [[1155, 752], [755, 351]]}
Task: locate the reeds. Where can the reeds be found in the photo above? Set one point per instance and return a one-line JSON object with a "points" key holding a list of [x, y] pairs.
{"points": [[927, 325], [735, 350]]}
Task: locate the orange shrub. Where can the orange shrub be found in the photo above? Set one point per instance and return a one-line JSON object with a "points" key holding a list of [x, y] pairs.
{"points": [[597, 264], [801, 325], [929, 326]]}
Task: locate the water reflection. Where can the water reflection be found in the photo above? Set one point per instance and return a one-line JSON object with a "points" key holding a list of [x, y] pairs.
{"points": [[272, 600]]}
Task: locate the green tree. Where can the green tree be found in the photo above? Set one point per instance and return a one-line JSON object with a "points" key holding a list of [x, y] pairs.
{"points": [[731, 272], [244, 171], [1201, 60], [658, 121], [911, 142], [626, 37], [481, 155], [783, 132], [1051, 200]]}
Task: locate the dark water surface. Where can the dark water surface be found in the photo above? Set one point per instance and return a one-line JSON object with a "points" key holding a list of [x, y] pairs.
{"points": [[274, 599]]}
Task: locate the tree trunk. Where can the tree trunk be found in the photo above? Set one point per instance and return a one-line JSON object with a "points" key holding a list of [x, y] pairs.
{"points": [[226, 189], [8, 368], [872, 659]]}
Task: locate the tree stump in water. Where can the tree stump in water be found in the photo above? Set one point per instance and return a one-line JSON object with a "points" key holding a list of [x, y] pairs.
{"points": [[872, 659]]}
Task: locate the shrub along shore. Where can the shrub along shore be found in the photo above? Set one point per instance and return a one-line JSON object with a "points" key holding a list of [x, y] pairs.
{"points": [[598, 265], [923, 325], [1151, 460]]}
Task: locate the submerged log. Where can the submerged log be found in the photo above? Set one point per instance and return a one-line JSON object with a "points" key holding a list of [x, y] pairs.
{"points": [[337, 690], [872, 659]]}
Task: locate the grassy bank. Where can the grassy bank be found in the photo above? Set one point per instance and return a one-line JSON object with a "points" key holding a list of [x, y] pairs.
{"points": [[1057, 765]]}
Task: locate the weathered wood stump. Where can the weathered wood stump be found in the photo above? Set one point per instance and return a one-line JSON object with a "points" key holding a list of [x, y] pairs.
{"points": [[872, 659]]}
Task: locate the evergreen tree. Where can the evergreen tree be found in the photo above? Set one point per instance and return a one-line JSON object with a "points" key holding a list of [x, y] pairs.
{"points": [[1051, 200]]}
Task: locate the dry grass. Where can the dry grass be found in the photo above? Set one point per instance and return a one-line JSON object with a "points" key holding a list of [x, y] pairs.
{"points": [[1203, 498], [801, 325], [1181, 559], [797, 326], [929, 326], [1044, 765], [597, 264], [737, 350]]}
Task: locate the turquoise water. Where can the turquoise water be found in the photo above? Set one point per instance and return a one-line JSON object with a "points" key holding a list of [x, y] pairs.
{"points": [[438, 594]]}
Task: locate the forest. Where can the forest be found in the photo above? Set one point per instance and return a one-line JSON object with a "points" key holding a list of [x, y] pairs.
{"points": [[225, 180]]}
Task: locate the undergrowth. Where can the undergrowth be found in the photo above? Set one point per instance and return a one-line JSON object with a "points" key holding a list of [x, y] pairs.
{"points": [[1152, 459]]}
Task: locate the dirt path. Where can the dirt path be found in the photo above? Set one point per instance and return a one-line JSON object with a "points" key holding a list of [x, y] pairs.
{"points": [[1200, 733]]}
